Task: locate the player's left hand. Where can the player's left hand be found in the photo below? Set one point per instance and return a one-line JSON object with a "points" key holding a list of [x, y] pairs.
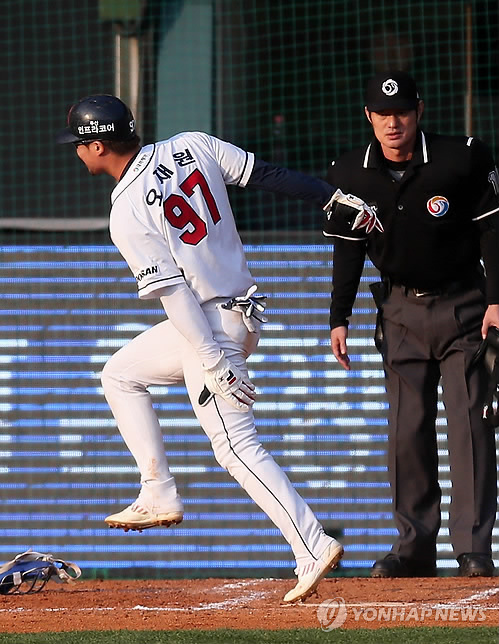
{"points": [[226, 380], [355, 211], [250, 306]]}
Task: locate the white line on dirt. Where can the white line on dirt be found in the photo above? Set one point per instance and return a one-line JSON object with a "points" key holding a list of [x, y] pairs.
{"points": [[472, 599], [242, 590], [385, 605], [458, 604], [242, 598], [248, 595], [485, 594], [229, 605]]}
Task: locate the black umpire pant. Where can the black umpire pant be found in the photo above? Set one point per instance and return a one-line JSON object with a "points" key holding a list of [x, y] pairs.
{"points": [[425, 338]]}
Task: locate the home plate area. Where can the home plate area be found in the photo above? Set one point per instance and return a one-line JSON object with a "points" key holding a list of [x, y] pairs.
{"points": [[252, 604]]}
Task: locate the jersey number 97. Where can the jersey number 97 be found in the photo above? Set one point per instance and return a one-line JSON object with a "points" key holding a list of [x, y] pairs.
{"points": [[180, 214]]}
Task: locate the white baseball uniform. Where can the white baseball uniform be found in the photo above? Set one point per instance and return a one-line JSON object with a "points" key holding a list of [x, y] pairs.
{"points": [[171, 220]]}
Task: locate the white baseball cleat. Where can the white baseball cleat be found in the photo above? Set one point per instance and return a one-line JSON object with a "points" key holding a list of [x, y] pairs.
{"points": [[136, 517], [311, 575]]}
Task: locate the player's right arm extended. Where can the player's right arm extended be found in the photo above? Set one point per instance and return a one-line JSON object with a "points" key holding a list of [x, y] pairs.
{"points": [[291, 183], [338, 206], [222, 378]]}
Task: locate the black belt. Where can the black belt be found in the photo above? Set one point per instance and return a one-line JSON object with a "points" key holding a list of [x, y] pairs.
{"points": [[447, 289]]}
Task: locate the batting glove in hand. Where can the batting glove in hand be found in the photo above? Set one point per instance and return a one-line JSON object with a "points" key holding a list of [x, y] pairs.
{"points": [[250, 306], [356, 212], [226, 380]]}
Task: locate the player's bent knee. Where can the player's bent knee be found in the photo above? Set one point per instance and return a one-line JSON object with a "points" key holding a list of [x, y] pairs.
{"points": [[112, 377], [108, 377]]}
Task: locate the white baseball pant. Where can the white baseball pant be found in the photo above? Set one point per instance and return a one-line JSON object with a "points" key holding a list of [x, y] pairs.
{"points": [[162, 356]]}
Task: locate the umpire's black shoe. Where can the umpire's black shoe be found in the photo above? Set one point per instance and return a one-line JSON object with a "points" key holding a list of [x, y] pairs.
{"points": [[475, 564], [394, 566]]}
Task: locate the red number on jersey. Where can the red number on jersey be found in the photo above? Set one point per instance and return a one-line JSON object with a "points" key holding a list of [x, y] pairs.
{"points": [[180, 214], [197, 179]]}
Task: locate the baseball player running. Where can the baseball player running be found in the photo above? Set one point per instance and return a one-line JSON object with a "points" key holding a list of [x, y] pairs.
{"points": [[171, 220]]}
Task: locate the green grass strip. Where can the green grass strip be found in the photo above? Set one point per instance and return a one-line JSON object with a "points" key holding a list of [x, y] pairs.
{"points": [[401, 635]]}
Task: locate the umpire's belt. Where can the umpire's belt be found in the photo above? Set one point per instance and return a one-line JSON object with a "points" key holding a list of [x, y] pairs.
{"points": [[450, 288]]}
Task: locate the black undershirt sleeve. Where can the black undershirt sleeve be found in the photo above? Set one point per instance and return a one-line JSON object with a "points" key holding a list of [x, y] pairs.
{"points": [[348, 263], [482, 172], [272, 178], [489, 245]]}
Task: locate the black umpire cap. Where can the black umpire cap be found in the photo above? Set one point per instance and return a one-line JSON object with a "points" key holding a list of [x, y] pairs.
{"points": [[391, 90], [101, 117]]}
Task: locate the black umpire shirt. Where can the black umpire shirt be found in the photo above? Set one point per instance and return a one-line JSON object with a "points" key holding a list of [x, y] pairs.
{"points": [[439, 219]]}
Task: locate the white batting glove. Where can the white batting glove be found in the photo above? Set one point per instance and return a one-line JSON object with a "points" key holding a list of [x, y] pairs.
{"points": [[226, 380], [354, 211], [250, 306]]}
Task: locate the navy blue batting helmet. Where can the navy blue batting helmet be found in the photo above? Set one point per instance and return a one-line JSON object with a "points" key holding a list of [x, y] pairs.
{"points": [[98, 118]]}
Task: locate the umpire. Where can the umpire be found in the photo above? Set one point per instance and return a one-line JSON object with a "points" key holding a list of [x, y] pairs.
{"points": [[437, 199]]}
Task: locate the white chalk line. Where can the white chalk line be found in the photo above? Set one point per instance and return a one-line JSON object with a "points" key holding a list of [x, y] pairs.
{"points": [[472, 599], [251, 595], [459, 604], [396, 605], [226, 604]]}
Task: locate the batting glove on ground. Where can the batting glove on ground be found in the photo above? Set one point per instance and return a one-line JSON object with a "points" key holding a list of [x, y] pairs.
{"points": [[250, 306], [354, 211], [226, 380]]}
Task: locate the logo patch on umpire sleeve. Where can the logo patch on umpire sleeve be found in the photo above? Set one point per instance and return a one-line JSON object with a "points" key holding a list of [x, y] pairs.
{"points": [[437, 206], [494, 180]]}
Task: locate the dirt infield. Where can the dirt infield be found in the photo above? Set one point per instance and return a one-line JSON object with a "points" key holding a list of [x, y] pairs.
{"points": [[252, 603]]}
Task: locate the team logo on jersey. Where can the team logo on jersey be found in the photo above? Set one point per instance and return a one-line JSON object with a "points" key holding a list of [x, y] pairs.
{"points": [[390, 87], [150, 270], [437, 206], [494, 180]]}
